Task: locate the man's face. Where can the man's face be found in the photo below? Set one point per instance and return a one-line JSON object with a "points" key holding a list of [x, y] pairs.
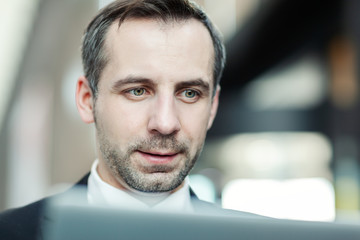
{"points": [[154, 103]]}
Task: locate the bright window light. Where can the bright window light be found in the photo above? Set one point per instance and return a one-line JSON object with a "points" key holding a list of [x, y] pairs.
{"points": [[311, 199]]}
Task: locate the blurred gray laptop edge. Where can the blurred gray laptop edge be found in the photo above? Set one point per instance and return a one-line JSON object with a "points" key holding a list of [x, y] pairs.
{"points": [[69, 217]]}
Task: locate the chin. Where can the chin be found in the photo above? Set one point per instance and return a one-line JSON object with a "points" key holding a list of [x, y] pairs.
{"points": [[157, 182]]}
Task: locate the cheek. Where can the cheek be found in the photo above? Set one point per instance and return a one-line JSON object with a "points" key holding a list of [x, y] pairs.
{"points": [[120, 121], [194, 123]]}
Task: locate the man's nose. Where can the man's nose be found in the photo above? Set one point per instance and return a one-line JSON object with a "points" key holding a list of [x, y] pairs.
{"points": [[164, 117]]}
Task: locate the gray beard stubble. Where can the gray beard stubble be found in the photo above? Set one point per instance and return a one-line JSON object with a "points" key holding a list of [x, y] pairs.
{"points": [[120, 163]]}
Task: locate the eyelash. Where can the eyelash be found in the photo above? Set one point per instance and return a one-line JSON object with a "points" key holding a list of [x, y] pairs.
{"points": [[182, 93], [197, 93], [132, 91]]}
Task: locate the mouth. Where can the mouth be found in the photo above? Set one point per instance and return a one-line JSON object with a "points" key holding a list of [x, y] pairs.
{"points": [[158, 157]]}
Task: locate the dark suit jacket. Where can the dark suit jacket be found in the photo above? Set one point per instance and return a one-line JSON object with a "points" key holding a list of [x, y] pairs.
{"points": [[25, 222]]}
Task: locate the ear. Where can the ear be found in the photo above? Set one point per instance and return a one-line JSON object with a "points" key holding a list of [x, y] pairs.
{"points": [[214, 107], [84, 100]]}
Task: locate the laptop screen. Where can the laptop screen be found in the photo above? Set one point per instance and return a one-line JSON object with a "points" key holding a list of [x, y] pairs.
{"points": [[82, 221]]}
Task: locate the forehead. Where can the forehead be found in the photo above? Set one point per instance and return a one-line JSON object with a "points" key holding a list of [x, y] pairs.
{"points": [[172, 50]]}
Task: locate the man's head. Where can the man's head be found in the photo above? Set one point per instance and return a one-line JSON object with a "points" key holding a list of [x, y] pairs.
{"points": [[151, 86]]}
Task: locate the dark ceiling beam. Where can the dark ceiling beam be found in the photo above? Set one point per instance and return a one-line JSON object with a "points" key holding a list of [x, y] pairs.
{"points": [[278, 31]]}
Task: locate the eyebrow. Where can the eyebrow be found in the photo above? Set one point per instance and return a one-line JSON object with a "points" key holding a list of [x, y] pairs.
{"points": [[195, 83], [205, 87], [131, 80]]}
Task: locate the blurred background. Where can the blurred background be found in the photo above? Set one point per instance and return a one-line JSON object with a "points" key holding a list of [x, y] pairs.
{"points": [[286, 138]]}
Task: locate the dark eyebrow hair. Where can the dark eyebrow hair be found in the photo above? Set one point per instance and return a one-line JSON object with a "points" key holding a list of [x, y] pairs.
{"points": [[195, 83], [131, 79], [205, 87]]}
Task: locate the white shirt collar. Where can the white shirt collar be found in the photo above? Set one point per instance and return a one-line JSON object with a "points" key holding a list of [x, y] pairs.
{"points": [[102, 193]]}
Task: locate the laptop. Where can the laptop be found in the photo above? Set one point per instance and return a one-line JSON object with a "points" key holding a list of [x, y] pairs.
{"points": [[72, 220]]}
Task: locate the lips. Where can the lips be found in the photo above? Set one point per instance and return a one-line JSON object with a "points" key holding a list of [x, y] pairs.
{"points": [[158, 157]]}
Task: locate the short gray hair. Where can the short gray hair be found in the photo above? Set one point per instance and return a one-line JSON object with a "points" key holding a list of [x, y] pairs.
{"points": [[93, 54]]}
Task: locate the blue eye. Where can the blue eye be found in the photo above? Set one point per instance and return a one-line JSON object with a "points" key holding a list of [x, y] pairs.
{"points": [[137, 91], [190, 93]]}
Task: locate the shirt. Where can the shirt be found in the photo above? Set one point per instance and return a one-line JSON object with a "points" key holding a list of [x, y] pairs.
{"points": [[102, 193]]}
